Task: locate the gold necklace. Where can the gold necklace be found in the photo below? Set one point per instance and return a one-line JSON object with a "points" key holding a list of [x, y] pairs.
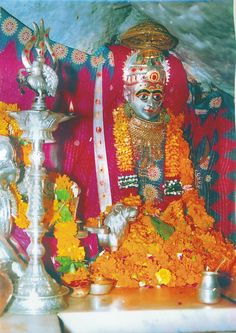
{"points": [[147, 138]]}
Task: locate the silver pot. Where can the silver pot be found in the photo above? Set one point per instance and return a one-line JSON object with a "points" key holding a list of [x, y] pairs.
{"points": [[209, 290]]}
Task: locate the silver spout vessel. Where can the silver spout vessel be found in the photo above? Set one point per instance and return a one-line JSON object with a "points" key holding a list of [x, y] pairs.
{"points": [[209, 291]]}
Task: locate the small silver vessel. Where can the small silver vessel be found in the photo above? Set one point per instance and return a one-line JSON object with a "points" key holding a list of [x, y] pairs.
{"points": [[209, 291]]}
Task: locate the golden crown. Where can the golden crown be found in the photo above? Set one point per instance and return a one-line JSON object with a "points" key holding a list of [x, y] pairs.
{"points": [[148, 62], [152, 38]]}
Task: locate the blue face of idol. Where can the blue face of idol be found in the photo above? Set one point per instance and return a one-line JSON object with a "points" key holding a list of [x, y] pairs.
{"points": [[146, 100], [144, 91]]}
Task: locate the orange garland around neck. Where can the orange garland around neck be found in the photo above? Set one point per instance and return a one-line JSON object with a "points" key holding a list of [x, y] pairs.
{"points": [[175, 146]]}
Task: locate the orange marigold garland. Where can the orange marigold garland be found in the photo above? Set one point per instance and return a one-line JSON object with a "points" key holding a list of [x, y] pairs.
{"points": [[70, 252], [21, 219], [123, 145], [176, 146], [173, 133]]}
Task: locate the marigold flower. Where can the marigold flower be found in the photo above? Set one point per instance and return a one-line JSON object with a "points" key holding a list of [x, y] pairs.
{"points": [[80, 275], [26, 152], [163, 276], [70, 248], [132, 200], [63, 229]]}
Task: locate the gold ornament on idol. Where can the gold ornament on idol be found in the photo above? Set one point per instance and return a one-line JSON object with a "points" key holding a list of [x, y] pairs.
{"points": [[147, 137], [150, 37]]}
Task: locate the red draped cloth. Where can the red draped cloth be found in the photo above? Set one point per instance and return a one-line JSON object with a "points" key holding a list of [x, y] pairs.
{"points": [[74, 146]]}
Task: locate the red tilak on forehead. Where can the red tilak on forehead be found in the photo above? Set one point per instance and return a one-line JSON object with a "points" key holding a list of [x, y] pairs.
{"points": [[153, 76]]}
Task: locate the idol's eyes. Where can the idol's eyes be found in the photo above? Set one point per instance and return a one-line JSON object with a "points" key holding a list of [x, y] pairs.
{"points": [[143, 95], [157, 96]]}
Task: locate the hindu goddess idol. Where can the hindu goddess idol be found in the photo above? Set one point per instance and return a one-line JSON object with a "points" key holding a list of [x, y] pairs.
{"points": [[151, 152], [131, 136], [172, 239]]}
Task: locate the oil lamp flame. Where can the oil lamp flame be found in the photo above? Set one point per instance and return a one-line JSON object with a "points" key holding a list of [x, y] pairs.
{"points": [[71, 107]]}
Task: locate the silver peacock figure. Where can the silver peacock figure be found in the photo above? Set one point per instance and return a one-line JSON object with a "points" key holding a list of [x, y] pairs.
{"points": [[37, 75]]}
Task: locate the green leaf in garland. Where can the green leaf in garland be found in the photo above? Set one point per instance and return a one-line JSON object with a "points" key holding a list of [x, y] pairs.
{"points": [[62, 195], [79, 264], [164, 230], [65, 214], [68, 265], [65, 264]]}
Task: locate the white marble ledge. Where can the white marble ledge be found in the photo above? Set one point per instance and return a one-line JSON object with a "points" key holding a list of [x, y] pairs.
{"points": [[10, 323], [145, 310]]}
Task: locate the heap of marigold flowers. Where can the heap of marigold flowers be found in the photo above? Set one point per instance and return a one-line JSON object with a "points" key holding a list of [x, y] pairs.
{"points": [[146, 258], [171, 247]]}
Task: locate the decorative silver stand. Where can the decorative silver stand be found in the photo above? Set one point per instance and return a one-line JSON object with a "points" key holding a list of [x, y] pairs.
{"points": [[36, 292]]}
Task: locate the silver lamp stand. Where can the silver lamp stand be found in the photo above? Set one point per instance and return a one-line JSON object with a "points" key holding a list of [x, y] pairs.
{"points": [[36, 292]]}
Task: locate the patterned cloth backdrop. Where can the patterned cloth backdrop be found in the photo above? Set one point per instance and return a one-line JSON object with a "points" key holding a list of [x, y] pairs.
{"points": [[210, 129], [93, 83]]}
